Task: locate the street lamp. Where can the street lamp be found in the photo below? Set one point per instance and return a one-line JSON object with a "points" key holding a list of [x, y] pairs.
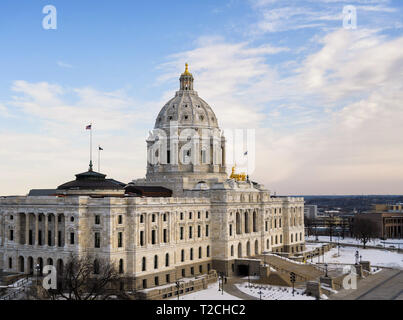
{"points": [[221, 276], [178, 282], [260, 292], [37, 269], [357, 255]]}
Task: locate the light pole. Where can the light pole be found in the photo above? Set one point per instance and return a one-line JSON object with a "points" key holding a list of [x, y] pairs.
{"points": [[260, 292], [221, 277], [37, 269], [178, 282], [249, 273], [357, 256]]}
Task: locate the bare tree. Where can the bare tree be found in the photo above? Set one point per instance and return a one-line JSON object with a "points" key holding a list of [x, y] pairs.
{"points": [[364, 230], [86, 278]]}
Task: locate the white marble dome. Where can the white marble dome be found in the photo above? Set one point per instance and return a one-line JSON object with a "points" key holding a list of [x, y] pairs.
{"points": [[187, 108]]}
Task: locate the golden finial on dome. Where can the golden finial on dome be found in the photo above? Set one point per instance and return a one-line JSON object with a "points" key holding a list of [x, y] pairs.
{"points": [[187, 69]]}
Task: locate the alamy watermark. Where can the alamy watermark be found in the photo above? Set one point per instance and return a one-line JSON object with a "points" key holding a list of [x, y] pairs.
{"points": [[49, 22], [349, 17]]}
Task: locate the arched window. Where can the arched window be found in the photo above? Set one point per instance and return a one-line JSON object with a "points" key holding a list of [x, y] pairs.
{"points": [[167, 260], [155, 262], [238, 223], [239, 250], [200, 252], [183, 255], [248, 249], [254, 222], [267, 244], [292, 238], [208, 251], [191, 253], [121, 270], [143, 264], [246, 219], [256, 247], [232, 251]]}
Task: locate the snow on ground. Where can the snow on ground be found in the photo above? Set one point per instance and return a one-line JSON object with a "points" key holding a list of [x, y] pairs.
{"points": [[270, 292], [211, 293], [389, 243], [377, 257]]}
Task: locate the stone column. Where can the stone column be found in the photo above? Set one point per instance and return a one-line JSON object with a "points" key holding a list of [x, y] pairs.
{"points": [[27, 228], [56, 237], [46, 229], [36, 228]]}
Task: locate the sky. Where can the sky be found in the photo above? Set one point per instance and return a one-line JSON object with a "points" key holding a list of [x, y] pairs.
{"points": [[325, 100]]}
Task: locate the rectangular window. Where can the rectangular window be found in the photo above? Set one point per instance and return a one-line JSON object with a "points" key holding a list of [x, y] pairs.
{"points": [[120, 240], [141, 238], [49, 238], [265, 225], [97, 240], [183, 273], [206, 230], [72, 238], [153, 237], [190, 232], [181, 215], [40, 237], [190, 215], [200, 269], [181, 233], [182, 255], [144, 283], [59, 218], [198, 231], [11, 235], [165, 233], [198, 215], [206, 214], [97, 219], [59, 238], [120, 219], [192, 271], [167, 278], [30, 237], [156, 281], [230, 229]]}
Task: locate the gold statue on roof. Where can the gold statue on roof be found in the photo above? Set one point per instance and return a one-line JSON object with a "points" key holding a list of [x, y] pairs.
{"points": [[237, 176]]}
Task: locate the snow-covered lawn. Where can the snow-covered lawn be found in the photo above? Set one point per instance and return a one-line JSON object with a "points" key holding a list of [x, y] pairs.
{"points": [[211, 293], [375, 242], [273, 292], [377, 257]]}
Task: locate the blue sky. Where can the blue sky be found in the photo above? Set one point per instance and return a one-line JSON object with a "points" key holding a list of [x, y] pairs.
{"points": [[325, 101]]}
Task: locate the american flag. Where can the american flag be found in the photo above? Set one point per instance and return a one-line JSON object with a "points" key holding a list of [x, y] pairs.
{"points": [[88, 127]]}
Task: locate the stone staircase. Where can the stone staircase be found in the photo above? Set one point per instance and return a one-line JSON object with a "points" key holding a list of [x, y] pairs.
{"points": [[303, 272]]}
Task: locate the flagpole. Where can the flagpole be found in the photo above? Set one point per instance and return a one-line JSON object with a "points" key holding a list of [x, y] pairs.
{"points": [[91, 147], [99, 158]]}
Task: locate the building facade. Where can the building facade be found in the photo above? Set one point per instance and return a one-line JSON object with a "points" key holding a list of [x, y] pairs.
{"points": [[206, 221]]}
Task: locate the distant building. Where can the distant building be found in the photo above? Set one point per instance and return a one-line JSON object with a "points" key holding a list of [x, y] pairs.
{"points": [[389, 219], [311, 211]]}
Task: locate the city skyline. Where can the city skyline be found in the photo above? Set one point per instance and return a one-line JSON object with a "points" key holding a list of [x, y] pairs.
{"points": [[325, 101]]}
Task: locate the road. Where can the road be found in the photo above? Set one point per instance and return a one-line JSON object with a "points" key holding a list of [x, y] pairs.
{"points": [[385, 285]]}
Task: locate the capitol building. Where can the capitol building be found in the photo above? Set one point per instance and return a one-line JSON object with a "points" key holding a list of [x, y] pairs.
{"points": [[188, 216]]}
